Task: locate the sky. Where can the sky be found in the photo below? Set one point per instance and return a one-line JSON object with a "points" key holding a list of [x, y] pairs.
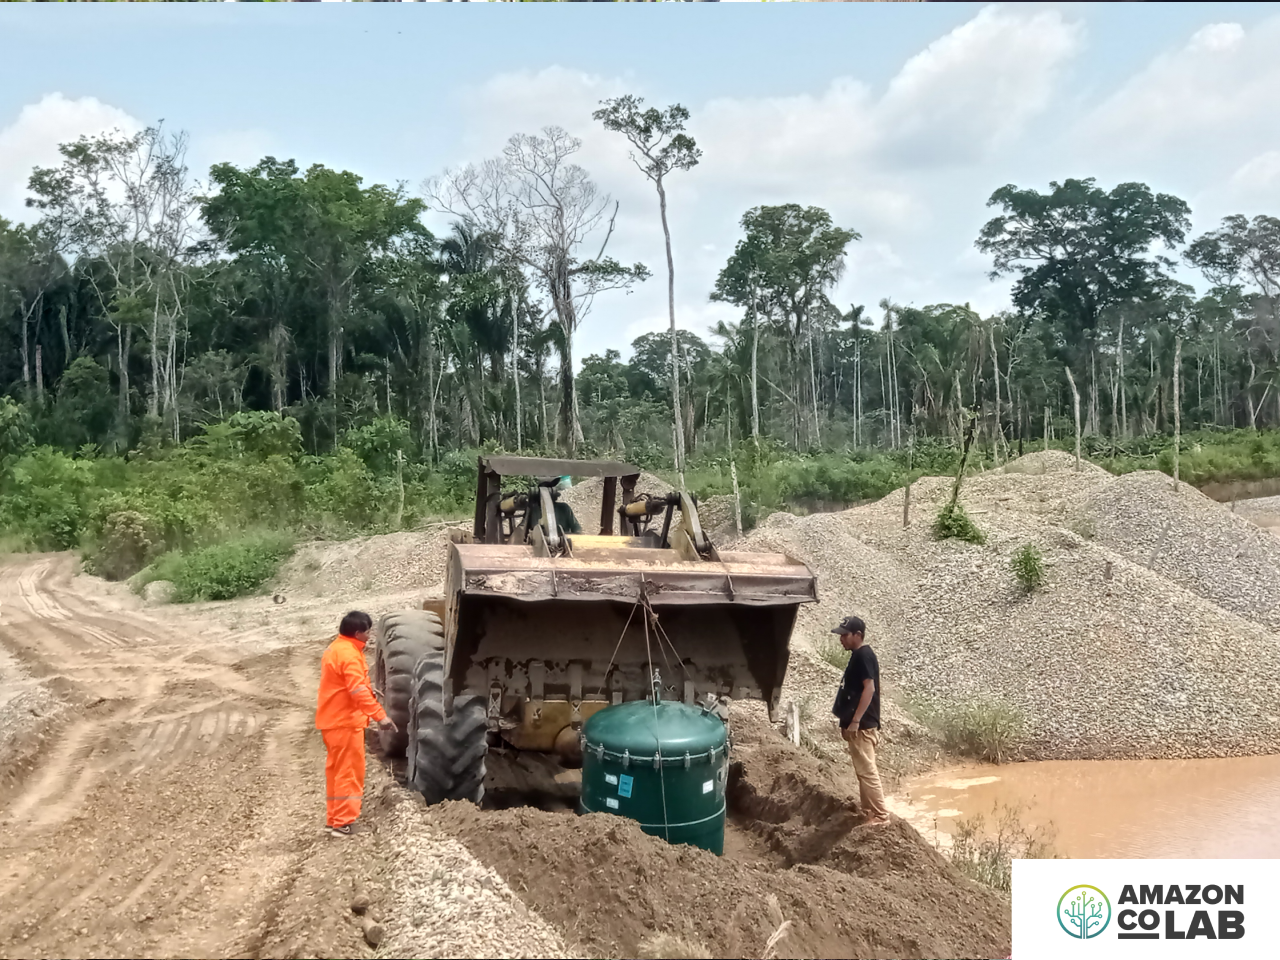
{"points": [[899, 119]]}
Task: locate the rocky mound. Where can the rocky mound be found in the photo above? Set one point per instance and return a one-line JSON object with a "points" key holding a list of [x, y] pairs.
{"points": [[1121, 654], [585, 496], [386, 563], [1190, 540]]}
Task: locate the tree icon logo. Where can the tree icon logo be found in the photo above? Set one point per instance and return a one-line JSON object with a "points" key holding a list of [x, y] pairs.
{"points": [[1084, 912]]}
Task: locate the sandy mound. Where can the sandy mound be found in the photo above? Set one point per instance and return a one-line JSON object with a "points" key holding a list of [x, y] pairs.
{"points": [[848, 891], [1145, 663]]}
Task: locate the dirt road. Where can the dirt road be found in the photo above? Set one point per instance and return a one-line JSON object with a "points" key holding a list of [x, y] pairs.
{"points": [[171, 807]]}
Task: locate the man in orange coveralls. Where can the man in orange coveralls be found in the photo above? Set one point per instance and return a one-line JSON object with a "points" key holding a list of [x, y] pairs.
{"points": [[344, 708]]}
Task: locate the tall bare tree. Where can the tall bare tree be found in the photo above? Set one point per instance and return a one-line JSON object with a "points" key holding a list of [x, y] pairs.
{"points": [[540, 208], [125, 202], [660, 146]]}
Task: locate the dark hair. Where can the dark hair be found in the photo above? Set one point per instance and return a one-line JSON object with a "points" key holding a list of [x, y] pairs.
{"points": [[354, 622]]}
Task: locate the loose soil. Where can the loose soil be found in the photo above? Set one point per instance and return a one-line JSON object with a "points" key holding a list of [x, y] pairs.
{"points": [[169, 805], [843, 890]]}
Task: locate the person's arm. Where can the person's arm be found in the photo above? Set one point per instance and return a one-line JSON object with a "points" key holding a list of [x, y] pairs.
{"points": [[357, 684], [868, 691]]}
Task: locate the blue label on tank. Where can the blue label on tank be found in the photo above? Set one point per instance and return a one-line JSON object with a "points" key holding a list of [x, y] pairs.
{"points": [[624, 786]]}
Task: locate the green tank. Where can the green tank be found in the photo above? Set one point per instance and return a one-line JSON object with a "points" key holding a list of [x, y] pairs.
{"points": [[664, 766]]}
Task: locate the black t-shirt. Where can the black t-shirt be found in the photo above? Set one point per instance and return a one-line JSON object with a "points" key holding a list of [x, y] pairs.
{"points": [[862, 665]]}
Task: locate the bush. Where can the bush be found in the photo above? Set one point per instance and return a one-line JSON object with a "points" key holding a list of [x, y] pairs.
{"points": [[988, 858], [1028, 567], [46, 503], [982, 729], [127, 544], [953, 523], [832, 651], [222, 571]]}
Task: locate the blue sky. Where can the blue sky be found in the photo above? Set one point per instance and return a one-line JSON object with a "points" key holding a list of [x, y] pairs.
{"points": [[898, 118]]}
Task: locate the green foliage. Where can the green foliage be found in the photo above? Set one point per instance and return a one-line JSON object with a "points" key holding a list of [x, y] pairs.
{"points": [[830, 650], [85, 408], [954, 523], [127, 543], [258, 433], [15, 429], [981, 728], [48, 498], [342, 492], [988, 857], [1027, 564], [1207, 456], [377, 443], [1105, 258], [221, 571], [247, 472]]}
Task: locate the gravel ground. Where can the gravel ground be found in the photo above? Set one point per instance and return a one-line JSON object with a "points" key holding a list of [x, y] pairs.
{"points": [[1264, 511], [389, 563], [1173, 655], [445, 903], [1190, 540]]}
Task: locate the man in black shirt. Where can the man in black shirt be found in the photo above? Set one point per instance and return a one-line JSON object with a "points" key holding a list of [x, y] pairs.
{"points": [[857, 707]]}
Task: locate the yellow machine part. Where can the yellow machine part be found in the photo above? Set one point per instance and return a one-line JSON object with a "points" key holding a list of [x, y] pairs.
{"points": [[542, 721]]}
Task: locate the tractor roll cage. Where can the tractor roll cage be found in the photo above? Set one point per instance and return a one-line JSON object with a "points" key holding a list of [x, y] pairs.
{"points": [[488, 526]]}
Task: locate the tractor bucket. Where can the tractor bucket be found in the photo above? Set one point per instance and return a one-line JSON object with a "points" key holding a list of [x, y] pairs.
{"points": [[575, 632]]}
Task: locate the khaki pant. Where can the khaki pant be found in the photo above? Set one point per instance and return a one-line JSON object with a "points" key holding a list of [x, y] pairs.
{"points": [[862, 747]]}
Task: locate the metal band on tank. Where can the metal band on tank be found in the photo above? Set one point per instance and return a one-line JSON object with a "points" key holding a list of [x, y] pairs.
{"points": [[626, 758]]}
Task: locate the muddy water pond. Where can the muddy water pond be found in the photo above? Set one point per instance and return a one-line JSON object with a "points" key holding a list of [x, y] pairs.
{"points": [[1113, 808]]}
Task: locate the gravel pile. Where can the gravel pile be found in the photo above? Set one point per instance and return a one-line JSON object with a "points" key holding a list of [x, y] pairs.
{"points": [[26, 703], [1191, 540], [387, 563], [446, 903], [717, 517], [1111, 658]]}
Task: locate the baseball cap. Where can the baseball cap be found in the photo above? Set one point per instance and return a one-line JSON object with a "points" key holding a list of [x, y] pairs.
{"points": [[851, 625]]}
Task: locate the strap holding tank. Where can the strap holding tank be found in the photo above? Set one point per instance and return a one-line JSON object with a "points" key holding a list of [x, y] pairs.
{"points": [[627, 758]]}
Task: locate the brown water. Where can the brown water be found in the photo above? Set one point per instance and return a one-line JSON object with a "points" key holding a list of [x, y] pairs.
{"points": [[1115, 808]]}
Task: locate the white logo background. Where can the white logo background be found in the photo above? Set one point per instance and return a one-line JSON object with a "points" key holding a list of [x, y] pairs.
{"points": [[1038, 885]]}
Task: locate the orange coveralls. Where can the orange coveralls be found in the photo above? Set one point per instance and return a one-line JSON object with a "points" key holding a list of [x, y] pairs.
{"points": [[344, 707]]}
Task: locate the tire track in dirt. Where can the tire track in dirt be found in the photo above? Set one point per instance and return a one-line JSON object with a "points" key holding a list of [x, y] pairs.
{"points": [[171, 815], [60, 777]]}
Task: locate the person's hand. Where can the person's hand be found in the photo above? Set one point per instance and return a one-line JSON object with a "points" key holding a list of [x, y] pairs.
{"points": [[386, 723]]}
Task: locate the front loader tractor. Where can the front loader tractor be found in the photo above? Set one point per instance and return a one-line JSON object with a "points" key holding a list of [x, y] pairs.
{"points": [[541, 626]]}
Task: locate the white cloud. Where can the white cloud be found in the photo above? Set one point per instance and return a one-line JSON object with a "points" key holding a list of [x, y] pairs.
{"points": [[880, 163], [975, 88], [1220, 87], [1217, 37], [698, 317], [32, 140], [528, 100], [1260, 173]]}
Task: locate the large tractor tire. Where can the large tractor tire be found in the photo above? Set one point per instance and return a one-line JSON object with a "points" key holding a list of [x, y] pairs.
{"points": [[404, 638], [448, 738]]}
